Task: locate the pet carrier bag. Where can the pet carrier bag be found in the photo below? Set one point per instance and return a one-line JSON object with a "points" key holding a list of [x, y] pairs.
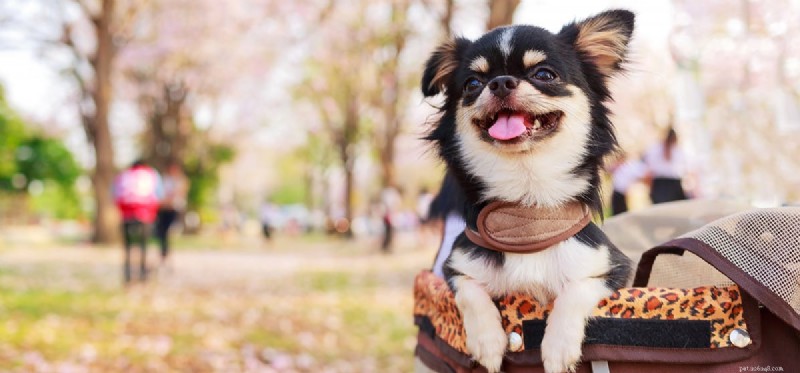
{"points": [[741, 314]]}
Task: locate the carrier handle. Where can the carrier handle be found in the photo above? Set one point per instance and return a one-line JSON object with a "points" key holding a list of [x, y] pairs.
{"points": [[645, 266], [711, 256]]}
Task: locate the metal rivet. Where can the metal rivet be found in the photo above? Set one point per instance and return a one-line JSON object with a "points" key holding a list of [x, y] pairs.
{"points": [[514, 341], [740, 338]]}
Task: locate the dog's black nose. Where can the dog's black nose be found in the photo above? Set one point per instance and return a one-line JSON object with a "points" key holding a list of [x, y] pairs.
{"points": [[502, 86]]}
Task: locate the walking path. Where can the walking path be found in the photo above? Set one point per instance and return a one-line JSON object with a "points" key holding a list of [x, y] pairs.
{"points": [[297, 305]]}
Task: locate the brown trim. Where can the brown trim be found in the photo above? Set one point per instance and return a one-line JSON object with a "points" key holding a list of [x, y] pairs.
{"points": [[665, 355], [779, 349], [646, 262], [615, 353], [476, 238], [484, 239], [444, 362], [747, 283], [457, 356], [431, 359]]}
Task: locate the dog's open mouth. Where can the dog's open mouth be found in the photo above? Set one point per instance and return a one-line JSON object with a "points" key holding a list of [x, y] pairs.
{"points": [[514, 126]]}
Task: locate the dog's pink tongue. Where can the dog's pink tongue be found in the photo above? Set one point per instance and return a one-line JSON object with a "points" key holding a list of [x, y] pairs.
{"points": [[507, 127]]}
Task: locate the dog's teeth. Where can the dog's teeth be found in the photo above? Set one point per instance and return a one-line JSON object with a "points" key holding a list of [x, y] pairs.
{"points": [[537, 124]]}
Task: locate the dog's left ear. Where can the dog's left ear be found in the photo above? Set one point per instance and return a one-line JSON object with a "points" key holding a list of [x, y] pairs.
{"points": [[602, 39]]}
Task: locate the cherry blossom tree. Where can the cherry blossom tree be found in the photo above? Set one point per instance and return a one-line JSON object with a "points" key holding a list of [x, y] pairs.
{"points": [[82, 38], [740, 67]]}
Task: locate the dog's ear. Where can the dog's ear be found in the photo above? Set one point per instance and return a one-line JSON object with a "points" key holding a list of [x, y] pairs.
{"points": [[603, 39], [442, 65]]}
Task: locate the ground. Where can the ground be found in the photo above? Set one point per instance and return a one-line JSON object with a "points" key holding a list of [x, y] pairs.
{"points": [[295, 305]]}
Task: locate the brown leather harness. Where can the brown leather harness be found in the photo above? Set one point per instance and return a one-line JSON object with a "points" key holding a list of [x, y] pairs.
{"points": [[511, 228]]}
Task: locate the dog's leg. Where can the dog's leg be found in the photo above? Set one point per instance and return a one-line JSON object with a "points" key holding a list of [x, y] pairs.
{"points": [[486, 340], [563, 336]]}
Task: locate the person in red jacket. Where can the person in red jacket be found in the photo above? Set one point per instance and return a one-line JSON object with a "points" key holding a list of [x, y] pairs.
{"points": [[137, 193]]}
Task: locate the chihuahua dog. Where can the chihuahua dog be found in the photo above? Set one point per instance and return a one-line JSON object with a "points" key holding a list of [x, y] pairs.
{"points": [[524, 122]]}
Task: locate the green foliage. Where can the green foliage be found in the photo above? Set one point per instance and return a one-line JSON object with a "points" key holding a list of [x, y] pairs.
{"points": [[26, 157], [202, 168], [12, 134], [57, 201], [40, 158], [291, 172], [290, 191]]}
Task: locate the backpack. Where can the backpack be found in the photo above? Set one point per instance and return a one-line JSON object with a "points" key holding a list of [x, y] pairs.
{"points": [[137, 186]]}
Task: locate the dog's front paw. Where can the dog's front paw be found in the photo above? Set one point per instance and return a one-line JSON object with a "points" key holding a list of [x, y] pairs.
{"points": [[487, 343], [560, 353]]}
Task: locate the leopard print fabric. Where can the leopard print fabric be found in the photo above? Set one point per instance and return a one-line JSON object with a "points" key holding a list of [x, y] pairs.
{"points": [[720, 305], [445, 317]]}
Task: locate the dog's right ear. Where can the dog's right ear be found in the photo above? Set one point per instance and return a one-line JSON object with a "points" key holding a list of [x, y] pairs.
{"points": [[443, 63], [602, 39]]}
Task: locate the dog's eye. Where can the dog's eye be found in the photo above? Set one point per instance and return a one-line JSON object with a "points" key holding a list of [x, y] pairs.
{"points": [[543, 74], [472, 85]]}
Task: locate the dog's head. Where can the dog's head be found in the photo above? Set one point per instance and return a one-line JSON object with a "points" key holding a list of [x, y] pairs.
{"points": [[524, 108]]}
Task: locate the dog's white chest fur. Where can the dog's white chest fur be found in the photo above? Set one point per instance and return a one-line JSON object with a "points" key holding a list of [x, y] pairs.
{"points": [[542, 274]]}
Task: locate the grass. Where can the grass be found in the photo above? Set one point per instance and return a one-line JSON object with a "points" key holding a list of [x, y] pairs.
{"points": [[296, 305]]}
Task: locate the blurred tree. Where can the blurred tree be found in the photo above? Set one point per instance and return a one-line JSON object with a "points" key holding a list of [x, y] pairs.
{"points": [[447, 16], [393, 90], [168, 126], [501, 13], [92, 69], [318, 157], [337, 75], [167, 73], [738, 97], [95, 120], [360, 78], [90, 33], [202, 168], [171, 77]]}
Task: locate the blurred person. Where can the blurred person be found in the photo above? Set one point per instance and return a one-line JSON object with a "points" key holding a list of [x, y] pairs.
{"points": [[425, 227], [267, 215], [176, 190], [445, 208], [390, 203], [667, 166], [424, 199], [137, 193], [624, 173]]}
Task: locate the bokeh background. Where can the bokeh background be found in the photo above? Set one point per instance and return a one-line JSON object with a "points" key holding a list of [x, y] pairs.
{"points": [[302, 113]]}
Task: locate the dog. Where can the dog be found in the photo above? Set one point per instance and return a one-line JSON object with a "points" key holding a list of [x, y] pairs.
{"points": [[524, 122]]}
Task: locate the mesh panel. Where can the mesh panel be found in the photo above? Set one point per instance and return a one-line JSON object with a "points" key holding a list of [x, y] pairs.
{"points": [[637, 231], [685, 271], [763, 243]]}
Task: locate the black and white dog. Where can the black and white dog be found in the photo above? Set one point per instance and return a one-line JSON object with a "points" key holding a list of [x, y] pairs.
{"points": [[524, 121]]}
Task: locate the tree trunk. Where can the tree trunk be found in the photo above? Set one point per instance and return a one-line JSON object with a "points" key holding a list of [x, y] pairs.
{"points": [[387, 165], [347, 149], [170, 127], [348, 194], [447, 17], [106, 224], [391, 130], [501, 12], [391, 92]]}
